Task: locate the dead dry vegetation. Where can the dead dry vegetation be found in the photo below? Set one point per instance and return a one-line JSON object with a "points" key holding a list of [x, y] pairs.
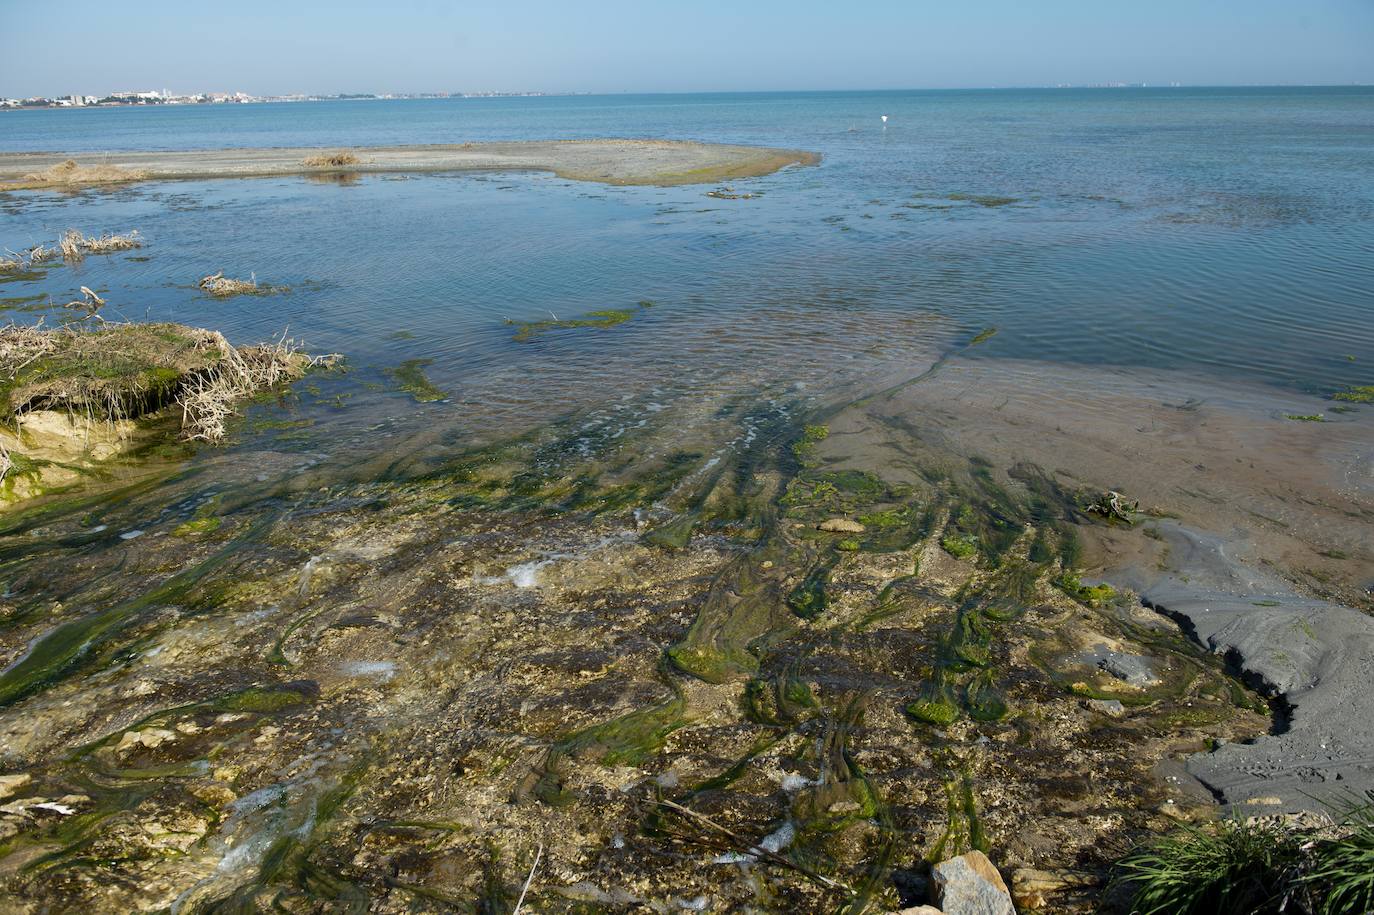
{"points": [[70, 173], [124, 371], [221, 286], [339, 159], [75, 245]]}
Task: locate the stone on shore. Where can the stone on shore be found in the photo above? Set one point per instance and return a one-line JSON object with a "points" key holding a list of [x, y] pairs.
{"points": [[970, 885]]}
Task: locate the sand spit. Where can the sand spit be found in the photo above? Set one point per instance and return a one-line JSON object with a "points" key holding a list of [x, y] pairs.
{"points": [[621, 162], [1256, 535]]}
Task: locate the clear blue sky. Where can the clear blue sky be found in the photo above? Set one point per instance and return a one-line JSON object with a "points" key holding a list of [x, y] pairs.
{"points": [[652, 45]]}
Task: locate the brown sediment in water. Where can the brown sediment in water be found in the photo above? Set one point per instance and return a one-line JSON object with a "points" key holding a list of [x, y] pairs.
{"points": [[620, 162], [393, 692]]}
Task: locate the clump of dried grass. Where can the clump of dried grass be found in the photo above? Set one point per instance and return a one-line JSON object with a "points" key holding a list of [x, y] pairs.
{"points": [[39, 253], [339, 159], [70, 173], [122, 371], [23, 260], [217, 284], [74, 245], [207, 399]]}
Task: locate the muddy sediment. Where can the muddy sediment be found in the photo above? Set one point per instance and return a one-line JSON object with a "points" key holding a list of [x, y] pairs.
{"points": [[622, 162]]}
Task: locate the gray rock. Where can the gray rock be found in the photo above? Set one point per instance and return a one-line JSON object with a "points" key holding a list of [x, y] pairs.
{"points": [[1128, 668], [1112, 708], [970, 885]]}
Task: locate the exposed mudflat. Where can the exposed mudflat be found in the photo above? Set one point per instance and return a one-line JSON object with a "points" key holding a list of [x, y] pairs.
{"points": [[654, 162]]}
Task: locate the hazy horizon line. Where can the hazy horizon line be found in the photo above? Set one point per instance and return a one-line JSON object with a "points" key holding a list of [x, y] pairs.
{"points": [[585, 92]]}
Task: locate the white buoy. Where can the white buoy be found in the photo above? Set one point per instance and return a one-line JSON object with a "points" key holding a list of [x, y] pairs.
{"points": [[884, 117]]}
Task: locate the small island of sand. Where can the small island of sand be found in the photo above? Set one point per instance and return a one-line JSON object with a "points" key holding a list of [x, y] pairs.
{"points": [[621, 162]]}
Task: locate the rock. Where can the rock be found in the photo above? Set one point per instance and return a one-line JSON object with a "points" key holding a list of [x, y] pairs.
{"points": [[840, 526], [1133, 669], [1128, 668], [970, 885], [1029, 887], [12, 783], [1112, 708], [151, 738]]}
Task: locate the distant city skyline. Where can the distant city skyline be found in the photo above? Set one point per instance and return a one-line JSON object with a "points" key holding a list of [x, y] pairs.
{"points": [[428, 46]]}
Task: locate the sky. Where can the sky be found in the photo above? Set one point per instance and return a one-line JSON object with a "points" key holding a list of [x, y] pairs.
{"points": [[289, 46]]}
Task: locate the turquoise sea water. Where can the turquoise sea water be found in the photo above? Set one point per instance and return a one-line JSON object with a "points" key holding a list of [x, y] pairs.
{"points": [[1226, 232]]}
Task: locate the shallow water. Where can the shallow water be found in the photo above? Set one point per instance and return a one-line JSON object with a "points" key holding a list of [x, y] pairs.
{"points": [[1229, 231]]}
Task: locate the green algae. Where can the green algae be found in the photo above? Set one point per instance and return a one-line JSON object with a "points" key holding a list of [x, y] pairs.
{"points": [[781, 700], [960, 546], [808, 600], [197, 527], [804, 448], [410, 377], [935, 707], [983, 200], [64, 649], [673, 534], [983, 336], [1092, 595], [964, 830], [1361, 394], [983, 700], [1305, 417], [527, 331]]}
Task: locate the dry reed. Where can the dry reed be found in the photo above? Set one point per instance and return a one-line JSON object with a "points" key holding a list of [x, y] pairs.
{"points": [[70, 173], [207, 399], [221, 286], [340, 159], [89, 301], [74, 245]]}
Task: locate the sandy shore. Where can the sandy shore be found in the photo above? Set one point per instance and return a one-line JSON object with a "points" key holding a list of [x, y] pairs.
{"points": [[623, 162]]}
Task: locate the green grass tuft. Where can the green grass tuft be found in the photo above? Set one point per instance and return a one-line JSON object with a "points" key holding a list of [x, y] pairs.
{"points": [[1236, 867]]}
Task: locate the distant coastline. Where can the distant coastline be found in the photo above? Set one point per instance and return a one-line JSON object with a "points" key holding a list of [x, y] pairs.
{"points": [[161, 98], [152, 98]]}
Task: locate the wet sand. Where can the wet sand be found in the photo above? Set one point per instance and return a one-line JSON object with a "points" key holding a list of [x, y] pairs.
{"points": [[620, 162], [1260, 544]]}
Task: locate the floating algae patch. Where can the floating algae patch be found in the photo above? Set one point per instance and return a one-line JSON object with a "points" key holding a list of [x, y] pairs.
{"points": [[409, 376], [1361, 394], [602, 318], [983, 200]]}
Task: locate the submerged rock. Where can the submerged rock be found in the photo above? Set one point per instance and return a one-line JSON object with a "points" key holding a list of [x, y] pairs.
{"points": [[841, 526]]}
